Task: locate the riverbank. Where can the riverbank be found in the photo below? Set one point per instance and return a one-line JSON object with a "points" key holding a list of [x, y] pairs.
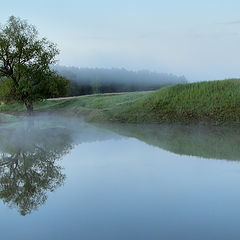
{"points": [[214, 102]]}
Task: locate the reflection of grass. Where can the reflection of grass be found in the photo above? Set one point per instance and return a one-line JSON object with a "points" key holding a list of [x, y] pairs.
{"points": [[208, 142], [216, 102]]}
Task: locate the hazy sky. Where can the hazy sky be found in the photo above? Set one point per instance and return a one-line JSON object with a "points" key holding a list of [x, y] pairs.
{"points": [[196, 38]]}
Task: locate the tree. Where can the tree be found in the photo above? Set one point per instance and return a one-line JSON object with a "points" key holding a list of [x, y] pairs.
{"points": [[25, 61]]}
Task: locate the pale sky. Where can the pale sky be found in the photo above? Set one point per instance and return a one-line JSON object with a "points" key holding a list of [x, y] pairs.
{"points": [[196, 38]]}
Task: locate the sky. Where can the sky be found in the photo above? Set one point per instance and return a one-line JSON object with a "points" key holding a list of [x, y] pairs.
{"points": [[197, 39]]}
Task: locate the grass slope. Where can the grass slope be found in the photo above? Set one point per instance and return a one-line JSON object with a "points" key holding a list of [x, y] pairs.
{"points": [[215, 102]]}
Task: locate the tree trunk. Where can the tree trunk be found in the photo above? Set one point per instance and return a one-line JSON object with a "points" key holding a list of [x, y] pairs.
{"points": [[29, 107]]}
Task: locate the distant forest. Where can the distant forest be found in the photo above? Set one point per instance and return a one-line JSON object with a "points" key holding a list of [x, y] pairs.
{"points": [[99, 80]]}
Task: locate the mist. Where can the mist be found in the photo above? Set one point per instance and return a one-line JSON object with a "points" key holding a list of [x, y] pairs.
{"points": [[102, 80]]}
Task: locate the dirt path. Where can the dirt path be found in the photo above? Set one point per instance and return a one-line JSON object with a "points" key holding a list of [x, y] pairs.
{"points": [[119, 93]]}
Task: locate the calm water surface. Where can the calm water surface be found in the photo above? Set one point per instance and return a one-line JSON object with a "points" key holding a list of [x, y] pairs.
{"points": [[64, 179]]}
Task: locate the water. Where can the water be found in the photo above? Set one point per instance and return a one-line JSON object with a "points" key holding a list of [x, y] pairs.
{"points": [[64, 179]]}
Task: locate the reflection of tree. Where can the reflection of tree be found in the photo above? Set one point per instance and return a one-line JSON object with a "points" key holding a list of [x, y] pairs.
{"points": [[28, 168]]}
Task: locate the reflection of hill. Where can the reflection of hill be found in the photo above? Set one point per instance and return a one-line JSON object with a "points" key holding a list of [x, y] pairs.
{"points": [[202, 141]]}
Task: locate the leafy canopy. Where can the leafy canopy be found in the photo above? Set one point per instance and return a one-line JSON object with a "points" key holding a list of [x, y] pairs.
{"points": [[25, 61]]}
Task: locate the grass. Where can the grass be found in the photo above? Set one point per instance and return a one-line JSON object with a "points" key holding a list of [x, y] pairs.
{"points": [[215, 102], [78, 104]]}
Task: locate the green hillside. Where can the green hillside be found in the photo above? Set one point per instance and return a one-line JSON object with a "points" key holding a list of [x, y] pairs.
{"points": [[217, 102]]}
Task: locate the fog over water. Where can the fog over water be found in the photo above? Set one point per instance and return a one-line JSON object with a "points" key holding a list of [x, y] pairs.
{"points": [[62, 178]]}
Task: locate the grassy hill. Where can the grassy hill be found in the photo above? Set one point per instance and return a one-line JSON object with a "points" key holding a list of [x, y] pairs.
{"points": [[215, 102]]}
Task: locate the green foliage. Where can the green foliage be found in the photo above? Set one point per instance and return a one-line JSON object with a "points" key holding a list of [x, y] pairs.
{"points": [[26, 60], [55, 86], [6, 90]]}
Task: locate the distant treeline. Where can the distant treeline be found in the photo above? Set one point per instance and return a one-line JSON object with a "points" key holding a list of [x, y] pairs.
{"points": [[98, 80]]}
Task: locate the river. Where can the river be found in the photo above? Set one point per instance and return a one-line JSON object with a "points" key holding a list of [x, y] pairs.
{"points": [[61, 178]]}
